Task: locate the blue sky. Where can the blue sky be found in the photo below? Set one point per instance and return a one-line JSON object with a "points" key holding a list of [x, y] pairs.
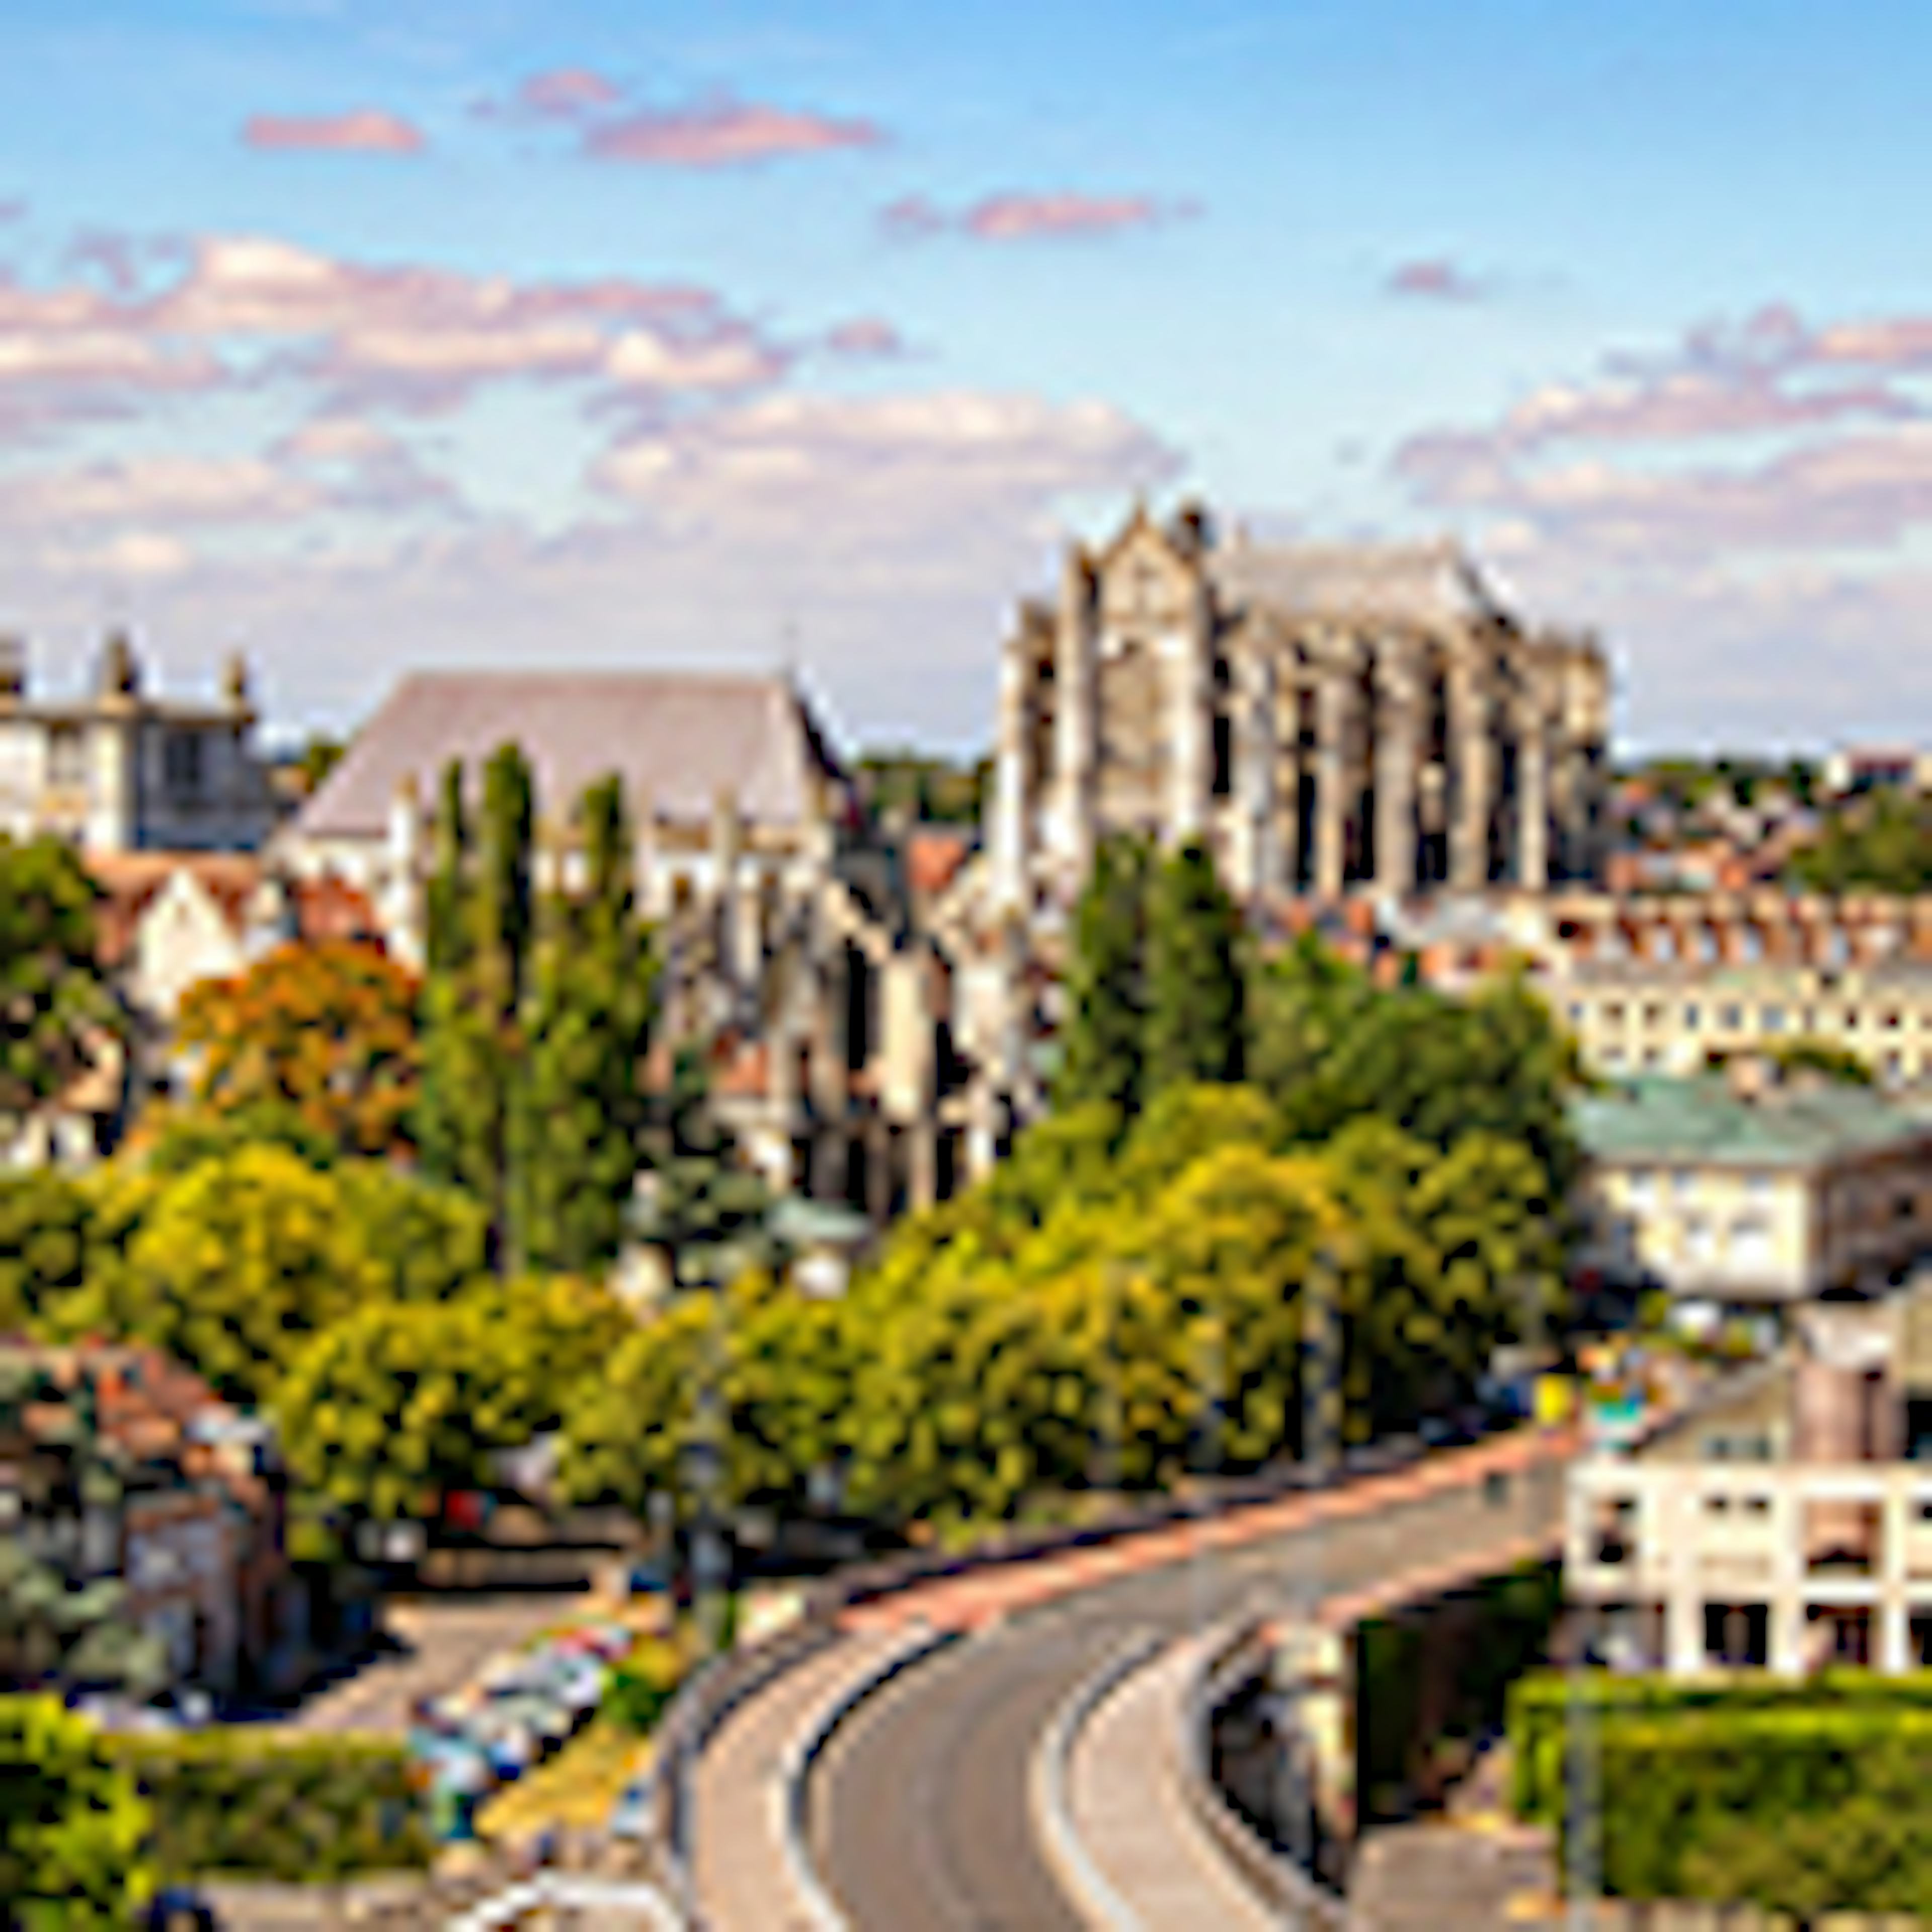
{"points": [[367, 336]]}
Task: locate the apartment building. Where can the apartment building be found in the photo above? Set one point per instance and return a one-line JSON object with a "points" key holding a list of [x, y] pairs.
{"points": [[1752, 1188], [1785, 1523], [1651, 1015]]}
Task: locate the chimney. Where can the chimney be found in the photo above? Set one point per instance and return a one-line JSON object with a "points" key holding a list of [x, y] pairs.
{"points": [[1750, 1076], [120, 676], [13, 669]]}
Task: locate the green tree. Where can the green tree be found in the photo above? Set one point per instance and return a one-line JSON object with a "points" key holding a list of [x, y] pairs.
{"points": [[394, 1405], [1303, 1004], [54, 1004], [1104, 1035], [701, 1207], [581, 1107], [1195, 997], [233, 1264], [427, 1242], [45, 1223], [72, 1824], [1824, 1058], [1335, 1047], [446, 943], [1879, 844]]}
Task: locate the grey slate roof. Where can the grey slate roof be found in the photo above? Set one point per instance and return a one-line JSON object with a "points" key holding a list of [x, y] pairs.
{"points": [[1425, 584], [680, 737]]}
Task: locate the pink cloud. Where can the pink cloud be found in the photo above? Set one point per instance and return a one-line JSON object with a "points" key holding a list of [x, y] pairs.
{"points": [[562, 93], [1018, 217], [367, 131], [723, 133], [154, 317], [1434, 278], [865, 336], [890, 462], [13, 208], [1901, 342]]}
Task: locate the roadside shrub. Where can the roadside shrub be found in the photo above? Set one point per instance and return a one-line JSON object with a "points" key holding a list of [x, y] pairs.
{"points": [[71, 1822], [1795, 1796], [644, 1684], [293, 1809]]}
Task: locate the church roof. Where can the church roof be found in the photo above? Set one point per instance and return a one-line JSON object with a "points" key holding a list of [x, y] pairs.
{"points": [[681, 738], [1426, 584]]}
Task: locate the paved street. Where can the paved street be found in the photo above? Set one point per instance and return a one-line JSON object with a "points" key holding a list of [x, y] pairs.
{"points": [[918, 1810], [445, 1640]]}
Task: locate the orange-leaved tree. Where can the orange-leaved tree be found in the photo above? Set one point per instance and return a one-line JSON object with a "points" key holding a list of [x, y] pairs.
{"points": [[328, 1029]]}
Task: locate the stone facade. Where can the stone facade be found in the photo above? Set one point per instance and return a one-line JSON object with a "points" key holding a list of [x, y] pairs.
{"points": [[1330, 721], [121, 770], [864, 1038]]}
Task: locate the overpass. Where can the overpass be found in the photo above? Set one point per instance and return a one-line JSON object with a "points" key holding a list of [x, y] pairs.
{"points": [[888, 1781]]}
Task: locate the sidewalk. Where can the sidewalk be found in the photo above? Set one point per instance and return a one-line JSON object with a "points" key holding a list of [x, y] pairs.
{"points": [[740, 1813], [1129, 1809]]}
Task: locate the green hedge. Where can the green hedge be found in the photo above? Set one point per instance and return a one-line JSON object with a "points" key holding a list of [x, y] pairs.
{"points": [[1795, 1796], [276, 1807], [1539, 1709]]}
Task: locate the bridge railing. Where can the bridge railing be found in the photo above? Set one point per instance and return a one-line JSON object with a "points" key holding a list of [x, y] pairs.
{"points": [[1234, 1657]]}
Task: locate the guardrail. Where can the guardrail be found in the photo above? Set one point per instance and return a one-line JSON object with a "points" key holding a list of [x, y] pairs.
{"points": [[1238, 1657], [702, 1703], [725, 1682]]}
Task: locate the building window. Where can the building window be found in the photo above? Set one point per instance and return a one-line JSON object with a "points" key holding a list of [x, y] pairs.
{"points": [[1613, 1014], [1653, 1015], [1772, 1019], [1693, 1019], [181, 763], [1730, 1018], [1224, 755], [67, 758]]}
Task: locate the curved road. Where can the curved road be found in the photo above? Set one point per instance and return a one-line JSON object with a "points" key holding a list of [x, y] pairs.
{"points": [[918, 1807]]}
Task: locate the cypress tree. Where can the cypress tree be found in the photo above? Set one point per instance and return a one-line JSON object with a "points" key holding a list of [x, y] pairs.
{"points": [[503, 899], [445, 945], [580, 1113], [1196, 1020], [1105, 988], [478, 940]]}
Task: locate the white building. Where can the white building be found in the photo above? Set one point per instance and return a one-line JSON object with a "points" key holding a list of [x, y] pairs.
{"points": [[121, 770]]}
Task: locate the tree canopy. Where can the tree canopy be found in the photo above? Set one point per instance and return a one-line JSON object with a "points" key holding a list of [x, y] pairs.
{"points": [[327, 1030], [1879, 844], [1092, 1313], [53, 1001]]}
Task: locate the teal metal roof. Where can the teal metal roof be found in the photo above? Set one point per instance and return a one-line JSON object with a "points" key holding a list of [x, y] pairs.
{"points": [[1799, 1124], [800, 1223]]}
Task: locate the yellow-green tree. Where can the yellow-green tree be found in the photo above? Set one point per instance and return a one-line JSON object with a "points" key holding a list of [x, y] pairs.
{"points": [[230, 1264], [394, 1405], [73, 1825]]}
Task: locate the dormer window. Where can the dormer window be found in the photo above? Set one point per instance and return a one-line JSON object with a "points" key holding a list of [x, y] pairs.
{"points": [[67, 758]]}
